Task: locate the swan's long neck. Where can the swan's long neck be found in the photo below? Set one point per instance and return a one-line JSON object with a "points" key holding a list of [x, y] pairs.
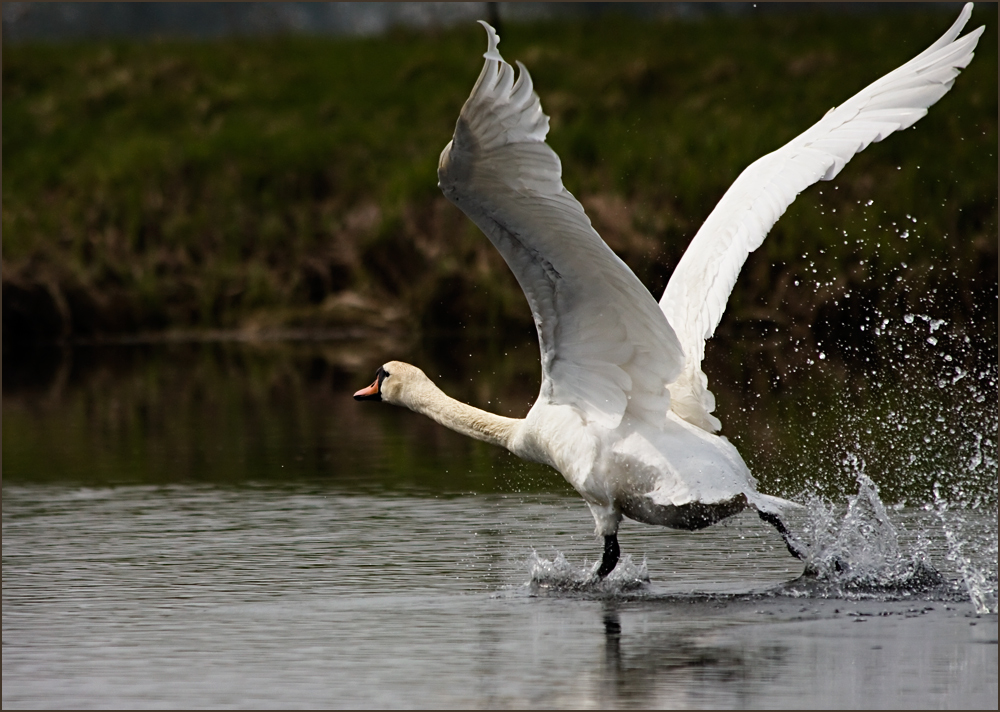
{"points": [[429, 400]]}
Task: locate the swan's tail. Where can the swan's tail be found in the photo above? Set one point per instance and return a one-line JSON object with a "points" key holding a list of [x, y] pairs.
{"points": [[773, 510], [773, 505]]}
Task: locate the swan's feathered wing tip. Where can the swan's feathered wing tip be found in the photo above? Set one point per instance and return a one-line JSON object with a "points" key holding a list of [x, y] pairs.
{"points": [[964, 16], [494, 39], [953, 32], [499, 110]]}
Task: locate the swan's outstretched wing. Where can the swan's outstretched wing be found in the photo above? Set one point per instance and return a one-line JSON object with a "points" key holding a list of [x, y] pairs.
{"points": [[699, 288], [606, 346]]}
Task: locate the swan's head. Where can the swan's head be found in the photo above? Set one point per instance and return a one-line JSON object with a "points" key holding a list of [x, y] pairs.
{"points": [[397, 383]]}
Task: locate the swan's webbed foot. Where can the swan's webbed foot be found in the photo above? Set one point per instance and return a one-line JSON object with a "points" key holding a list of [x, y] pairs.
{"points": [[794, 547], [611, 554]]}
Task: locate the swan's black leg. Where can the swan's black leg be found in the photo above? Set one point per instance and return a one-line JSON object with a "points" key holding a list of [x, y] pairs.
{"points": [[793, 547], [611, 553]]}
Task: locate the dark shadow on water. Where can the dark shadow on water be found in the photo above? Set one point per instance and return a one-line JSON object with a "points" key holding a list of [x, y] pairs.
{"points": [[748, 651], [635, 665]]}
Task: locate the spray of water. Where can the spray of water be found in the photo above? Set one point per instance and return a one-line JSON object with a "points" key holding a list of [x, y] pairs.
{"points": [[971, 549], [922, 422], [857, 550], [557, 575]]}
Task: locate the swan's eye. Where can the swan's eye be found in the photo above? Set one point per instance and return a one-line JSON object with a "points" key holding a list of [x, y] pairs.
{"points": [[380, 376]]}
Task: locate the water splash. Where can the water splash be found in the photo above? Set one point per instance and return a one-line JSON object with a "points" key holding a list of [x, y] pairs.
{"points": [[859, 551], [557, 575], [970, 551], [921, 420]]}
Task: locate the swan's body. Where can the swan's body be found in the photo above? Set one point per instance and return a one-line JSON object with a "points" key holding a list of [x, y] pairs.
{"points": [[624, 411]]}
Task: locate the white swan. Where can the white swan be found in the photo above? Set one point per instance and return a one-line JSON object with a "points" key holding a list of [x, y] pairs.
{"points": [[624, 411]]}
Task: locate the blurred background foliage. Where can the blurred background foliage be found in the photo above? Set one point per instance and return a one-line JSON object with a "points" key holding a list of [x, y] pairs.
{"points": [[287, 184]]}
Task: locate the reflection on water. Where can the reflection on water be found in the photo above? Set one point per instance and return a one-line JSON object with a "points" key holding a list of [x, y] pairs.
{"points": [[222, 525], [235, 413], [232, 412]]}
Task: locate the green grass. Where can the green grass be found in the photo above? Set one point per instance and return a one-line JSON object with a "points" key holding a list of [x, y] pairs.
{"points": [[246, 183]]}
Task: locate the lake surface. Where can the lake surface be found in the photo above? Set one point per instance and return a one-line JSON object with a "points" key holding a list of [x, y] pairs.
{"points": [[221, 525]]}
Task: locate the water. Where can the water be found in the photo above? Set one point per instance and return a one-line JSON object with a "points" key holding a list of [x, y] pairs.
{"points": [[222, 526], [199, 595]]}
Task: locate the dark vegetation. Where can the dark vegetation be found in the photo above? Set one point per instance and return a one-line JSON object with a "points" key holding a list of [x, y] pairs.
{"points": [[287, 184]]}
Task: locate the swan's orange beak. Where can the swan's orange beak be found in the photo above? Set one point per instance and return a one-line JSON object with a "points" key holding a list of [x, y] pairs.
{"points": [[369, 393]]}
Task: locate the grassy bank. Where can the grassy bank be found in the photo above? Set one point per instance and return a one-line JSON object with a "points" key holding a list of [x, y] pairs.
{"points": [[290, 183]]}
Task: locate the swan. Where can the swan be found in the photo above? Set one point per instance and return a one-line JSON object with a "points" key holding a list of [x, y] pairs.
{"points": [[624, 412]]}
